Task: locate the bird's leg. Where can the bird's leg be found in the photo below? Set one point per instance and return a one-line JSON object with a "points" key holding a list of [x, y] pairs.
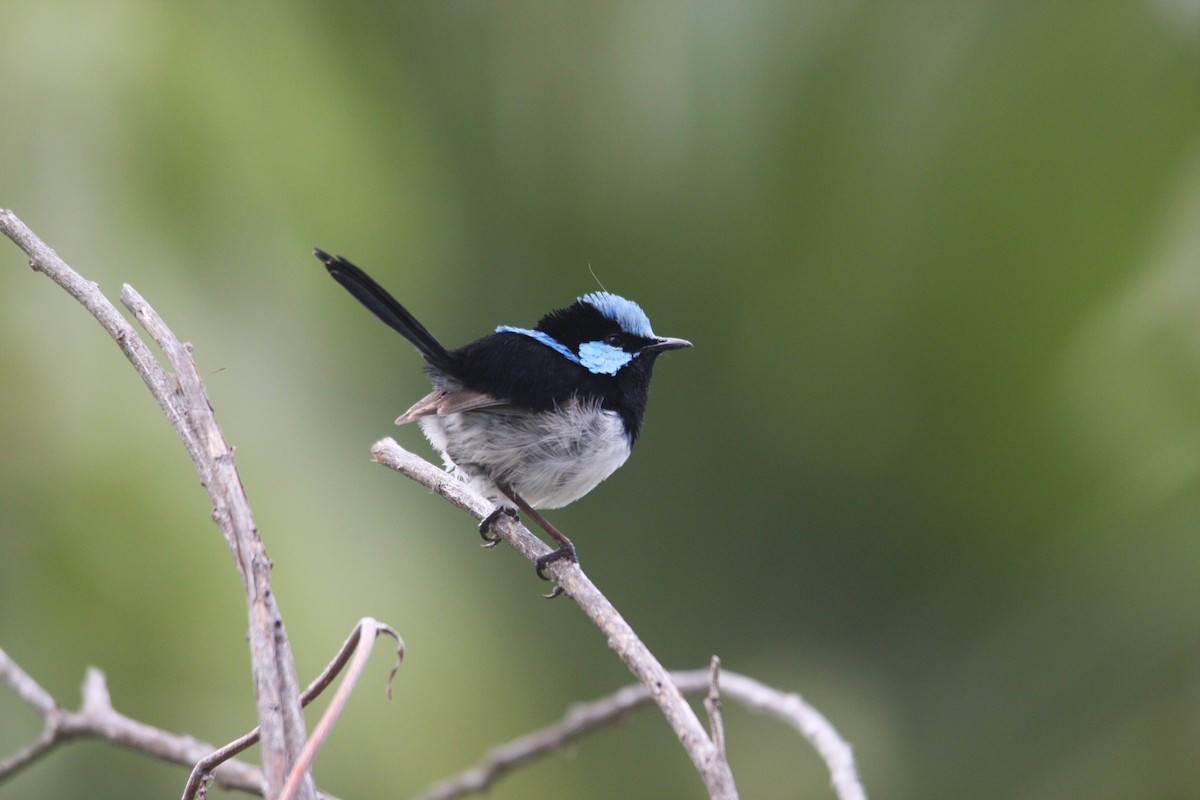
{"points": [[566, 548], [485, 526]]}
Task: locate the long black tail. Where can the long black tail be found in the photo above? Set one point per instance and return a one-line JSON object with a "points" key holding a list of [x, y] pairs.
{"points": [[387, 308]]}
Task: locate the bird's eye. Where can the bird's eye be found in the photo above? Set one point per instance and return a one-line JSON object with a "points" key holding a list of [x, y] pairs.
{"points": [[615, 340]]}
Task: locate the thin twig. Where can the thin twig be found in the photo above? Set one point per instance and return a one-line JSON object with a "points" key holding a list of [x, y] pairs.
{"points": [[792, 709], [25, 687], [641, 662], [186, 406], [712, 704], [205, 766], [363, 642], [583, 718]]}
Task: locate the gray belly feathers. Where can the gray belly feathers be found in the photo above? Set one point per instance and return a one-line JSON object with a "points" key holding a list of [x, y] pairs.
{"points": [[549, 458]]}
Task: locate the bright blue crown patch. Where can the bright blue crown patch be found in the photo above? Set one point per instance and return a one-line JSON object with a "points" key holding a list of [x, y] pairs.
{"points": [[626, 313]]}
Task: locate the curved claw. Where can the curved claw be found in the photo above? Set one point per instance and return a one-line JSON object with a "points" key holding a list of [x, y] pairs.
{"points": [[557, 592], [485, 525], [565, 550]]}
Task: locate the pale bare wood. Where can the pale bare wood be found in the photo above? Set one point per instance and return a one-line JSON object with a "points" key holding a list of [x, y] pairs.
{"points": [[183, 399]]}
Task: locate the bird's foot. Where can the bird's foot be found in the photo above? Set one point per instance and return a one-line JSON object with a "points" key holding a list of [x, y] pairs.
{"points": [[485, 526], [565, 550]]}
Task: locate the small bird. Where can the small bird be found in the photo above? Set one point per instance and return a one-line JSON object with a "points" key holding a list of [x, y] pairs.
{"points": [[530, 418]]}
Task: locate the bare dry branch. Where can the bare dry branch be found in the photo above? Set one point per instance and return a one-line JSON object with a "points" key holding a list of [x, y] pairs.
{"points": [[277, 690], [98, 719], [186, 406], [641, 662], [583, 718]]}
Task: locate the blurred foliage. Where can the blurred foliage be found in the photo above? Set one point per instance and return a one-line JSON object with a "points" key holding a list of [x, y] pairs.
{"points": [[933, 462]]}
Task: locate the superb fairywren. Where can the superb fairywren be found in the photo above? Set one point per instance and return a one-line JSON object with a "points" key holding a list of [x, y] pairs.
{"points": [[531, 418]]}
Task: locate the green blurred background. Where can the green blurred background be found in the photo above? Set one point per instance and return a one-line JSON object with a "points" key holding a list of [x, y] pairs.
{"points": [[933, 461]]}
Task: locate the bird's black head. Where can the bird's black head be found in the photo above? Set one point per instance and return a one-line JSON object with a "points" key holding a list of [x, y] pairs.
{"points": [[611, 338], [598, 349], [605, 333]]}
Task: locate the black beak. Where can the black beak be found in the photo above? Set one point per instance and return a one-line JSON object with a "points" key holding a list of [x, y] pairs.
{"points": [[666, 343]]}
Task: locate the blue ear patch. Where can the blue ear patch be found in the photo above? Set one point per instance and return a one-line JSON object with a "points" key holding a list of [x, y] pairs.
{"points": [[545, 339], [597, 357], [626, 313], [603, 359]]}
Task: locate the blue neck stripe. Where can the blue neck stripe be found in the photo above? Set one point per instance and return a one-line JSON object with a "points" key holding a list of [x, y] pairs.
{"points": [[544, 338]]}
